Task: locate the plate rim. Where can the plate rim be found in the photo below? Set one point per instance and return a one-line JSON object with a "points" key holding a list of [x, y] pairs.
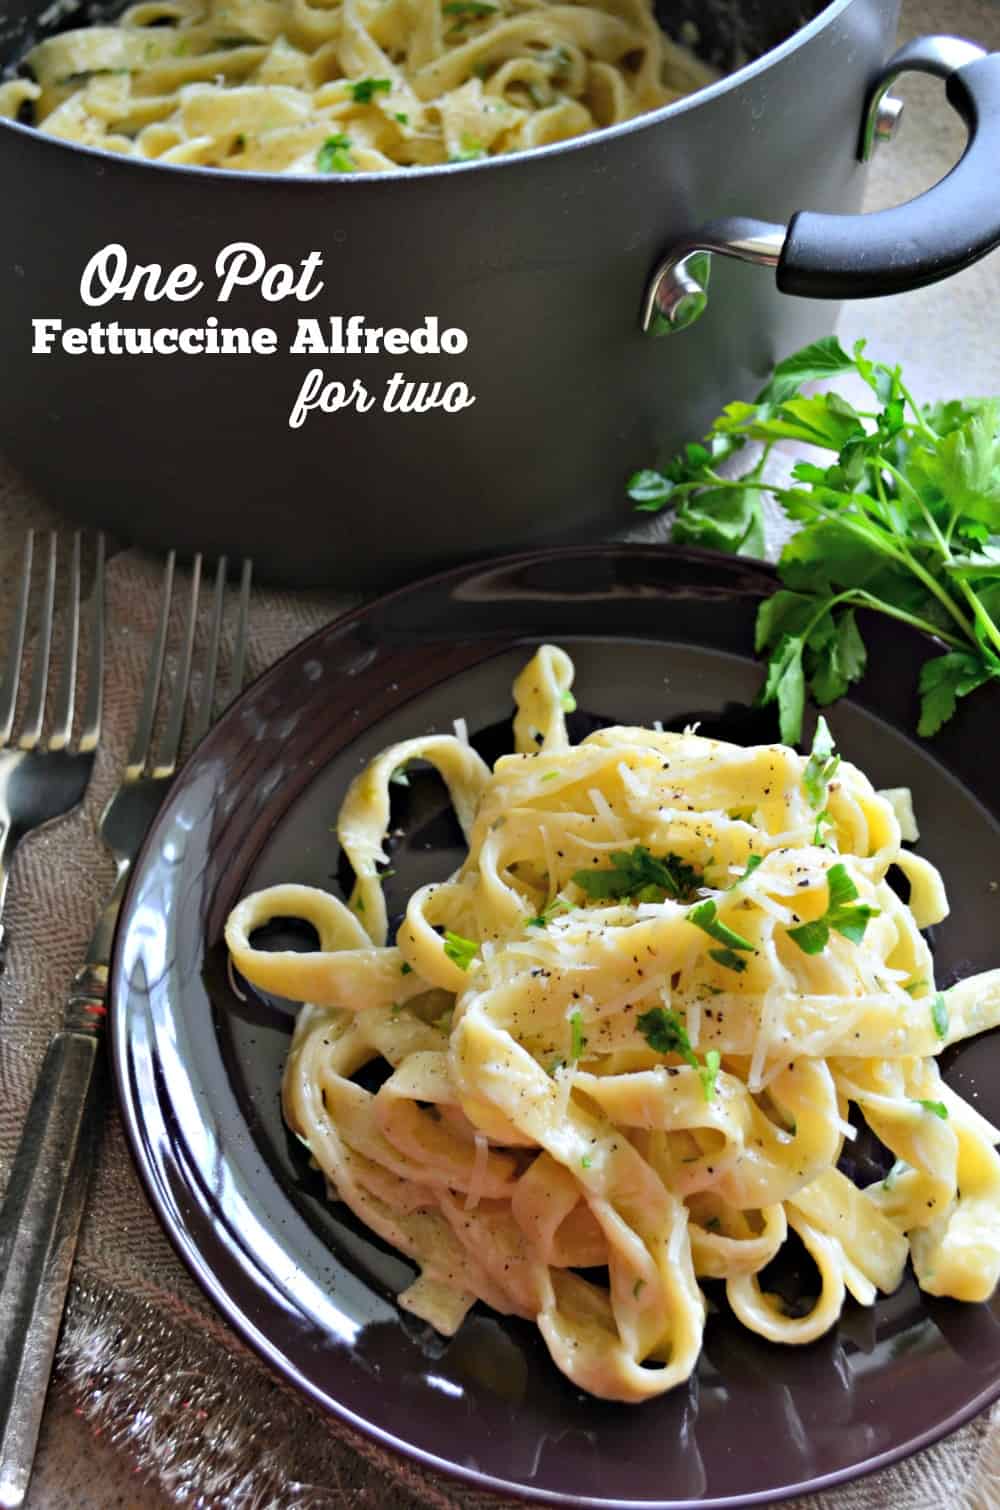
{"points": [[190, 1255]]}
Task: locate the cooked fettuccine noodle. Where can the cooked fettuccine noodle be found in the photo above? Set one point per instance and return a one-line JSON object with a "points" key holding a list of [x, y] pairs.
{"points": [[628, 1033], [287, 86]]}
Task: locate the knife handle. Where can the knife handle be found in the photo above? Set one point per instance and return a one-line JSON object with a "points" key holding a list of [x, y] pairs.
{"points": [[39, 1223]]}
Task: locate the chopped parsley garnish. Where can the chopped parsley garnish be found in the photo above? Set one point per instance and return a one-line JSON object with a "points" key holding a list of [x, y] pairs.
{"points": [[728, 959], [405, 969], [706, 917], [638, 876], [666, 1034], [586, 1161], [544, 918], [844, 915], [364, 89], [939, 1015], [402, 117], [753, 863], [399, 776], [397, 1007], [578, 1040], [333, 157], [568, 702], [460, 951], [469, 150], [821, 765], [551, 775], [708, 1073], [936, 1108], [466, 11], [913, 986], [358, 904]]}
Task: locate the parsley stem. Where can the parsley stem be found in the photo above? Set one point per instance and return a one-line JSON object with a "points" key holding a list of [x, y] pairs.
{"points": [[918, 413], [899, 554], [865, 599], [929, 520], [983, 618]]}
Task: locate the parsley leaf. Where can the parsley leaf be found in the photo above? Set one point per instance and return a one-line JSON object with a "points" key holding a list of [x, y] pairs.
{"points": [[649, 490], [459, 950], [936, 1108], [333, 157], [363, 90], [567, 701], [943, 681], [664, 1032], [638, 876], [844, 915], [823, 359]]}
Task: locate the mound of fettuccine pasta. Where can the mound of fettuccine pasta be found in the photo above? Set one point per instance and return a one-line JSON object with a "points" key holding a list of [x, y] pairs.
{"points": [[628, 1032], [288, 86]]}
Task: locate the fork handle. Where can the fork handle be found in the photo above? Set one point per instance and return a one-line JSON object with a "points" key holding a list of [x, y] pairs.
{"points": [[39, 1223]]}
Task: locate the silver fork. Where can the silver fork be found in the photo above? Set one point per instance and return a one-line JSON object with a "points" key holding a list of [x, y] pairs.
{"points": [[43, 778], [41, 1213]]}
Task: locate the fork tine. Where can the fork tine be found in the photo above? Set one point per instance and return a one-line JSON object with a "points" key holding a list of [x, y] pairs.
{"points": [[12, 673], [91, 731], [242, 625], [204, 716], [166, 761], [62, 730], [34, 714], [147, 712]]}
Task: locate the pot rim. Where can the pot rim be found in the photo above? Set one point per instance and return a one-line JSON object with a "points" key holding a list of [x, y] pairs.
{"points": [[801, 37]]}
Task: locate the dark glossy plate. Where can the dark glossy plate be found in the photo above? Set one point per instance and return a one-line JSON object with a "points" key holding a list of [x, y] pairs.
{"points": [[655, 634]]}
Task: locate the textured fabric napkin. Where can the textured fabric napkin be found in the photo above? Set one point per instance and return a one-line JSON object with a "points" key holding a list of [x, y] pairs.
{"points": [[146, 1359]]}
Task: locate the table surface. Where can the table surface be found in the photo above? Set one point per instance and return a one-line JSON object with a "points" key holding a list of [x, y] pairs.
{"points": [[945, 337]]}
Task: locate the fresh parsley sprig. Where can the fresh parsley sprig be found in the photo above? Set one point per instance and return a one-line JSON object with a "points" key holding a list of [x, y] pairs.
{"points": [[905, 521], [638, 876], [665, 1033], [844, 915]]}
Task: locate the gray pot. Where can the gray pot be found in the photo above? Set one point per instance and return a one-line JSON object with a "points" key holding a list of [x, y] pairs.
{"points": [[551, 263]]}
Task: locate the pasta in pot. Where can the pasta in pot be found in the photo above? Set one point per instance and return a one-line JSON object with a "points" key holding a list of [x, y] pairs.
{"points": [[285, 86], [628, 1032]]}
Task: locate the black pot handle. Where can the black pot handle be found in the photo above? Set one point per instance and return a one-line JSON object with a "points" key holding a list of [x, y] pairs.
{"points": [[865, 256]]}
